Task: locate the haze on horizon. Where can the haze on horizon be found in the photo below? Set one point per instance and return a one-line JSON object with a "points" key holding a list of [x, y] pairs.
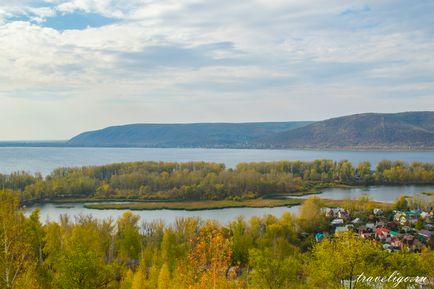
{"points": [[68, 66]]}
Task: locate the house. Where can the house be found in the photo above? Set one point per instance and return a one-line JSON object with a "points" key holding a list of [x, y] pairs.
{"points": [[425, 234], [343, 214], [388, 247], [395, 242], [391, 248], [356, 221], [394, 232], [341, 229], [406, 229], [403, 220], [336, 213], [413, 220], [328, 212], [393, 226], [319, 237], [377, 212], [397, 216], [382, 233], [414, 212], [365, 233], [379, 224], [424, 215], [370, 226], [336, 222], [407, 241]]}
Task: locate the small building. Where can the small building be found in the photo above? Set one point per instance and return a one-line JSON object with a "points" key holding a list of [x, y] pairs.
{"points": [[356, 221], [336, 222], [370, 226], [341, 229], [319, 237], [407, 241], [382, 233], [425, 234], [395, 242], [397, 216], [366, 235], [403, 220], [336, 213], [377, 211]]}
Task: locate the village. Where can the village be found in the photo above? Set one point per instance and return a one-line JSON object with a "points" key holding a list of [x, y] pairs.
{"points": [[395, 230]]}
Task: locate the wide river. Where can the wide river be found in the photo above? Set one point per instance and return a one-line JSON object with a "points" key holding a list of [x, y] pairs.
{"points": [[45, 159], [52, 212]]}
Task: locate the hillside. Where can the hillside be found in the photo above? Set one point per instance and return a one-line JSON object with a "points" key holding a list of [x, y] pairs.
{"points": [[215, 135], [400, 131], [407, 130]]}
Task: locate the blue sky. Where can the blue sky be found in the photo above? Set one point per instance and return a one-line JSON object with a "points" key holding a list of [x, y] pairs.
{"points": [[67, 66]]}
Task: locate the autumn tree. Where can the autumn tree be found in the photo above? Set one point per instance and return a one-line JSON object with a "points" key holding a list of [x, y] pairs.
{"points": [[128, 237], [337, 262], [272, 271], [17, 259], [311, 216]]}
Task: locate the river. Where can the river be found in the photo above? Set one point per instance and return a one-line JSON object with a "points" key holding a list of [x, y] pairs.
{"points": [[52, 212], [45, 159]]}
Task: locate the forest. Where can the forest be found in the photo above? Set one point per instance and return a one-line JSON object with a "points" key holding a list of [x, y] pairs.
{"points": [[129, 253], [208, 181]]}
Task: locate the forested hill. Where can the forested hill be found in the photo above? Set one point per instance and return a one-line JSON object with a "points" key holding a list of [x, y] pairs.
{"points": [[403, 131], [184, 135], [407, 130]]}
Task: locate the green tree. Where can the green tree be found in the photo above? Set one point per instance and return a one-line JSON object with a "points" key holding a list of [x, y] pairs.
{"points": [[17, 260], [81, 262], [311, 216], [337, 262], [272, 271], [164, 277], [401, 203], [128, 237]]}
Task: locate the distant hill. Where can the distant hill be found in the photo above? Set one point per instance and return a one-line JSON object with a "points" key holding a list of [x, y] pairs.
{"points": [[384, 131], [214, 135], [407, 130]]}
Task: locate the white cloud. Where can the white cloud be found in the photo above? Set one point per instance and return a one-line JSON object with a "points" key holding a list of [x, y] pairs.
{"points": [[168, 61]]}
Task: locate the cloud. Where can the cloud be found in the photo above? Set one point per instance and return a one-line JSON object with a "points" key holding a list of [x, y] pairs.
{"points": [[193, 60]]}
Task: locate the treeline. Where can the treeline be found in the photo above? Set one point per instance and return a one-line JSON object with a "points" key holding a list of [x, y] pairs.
{"points": [[266, 252], [206, 181]]}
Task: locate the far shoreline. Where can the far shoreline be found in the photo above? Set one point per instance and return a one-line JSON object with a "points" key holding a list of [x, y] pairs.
{"points": [[64, 144]]}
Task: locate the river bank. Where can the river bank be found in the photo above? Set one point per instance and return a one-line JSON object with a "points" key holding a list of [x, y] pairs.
{"points": [[198, 205]]}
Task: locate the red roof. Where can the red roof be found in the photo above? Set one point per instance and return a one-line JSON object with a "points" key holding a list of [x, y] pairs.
{"points": [[381, 230]]}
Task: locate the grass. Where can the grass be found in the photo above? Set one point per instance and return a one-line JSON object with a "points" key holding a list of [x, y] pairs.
{"points": [[344, 202], [223, 204], [199, 205], [90, 199], [428, 193]]}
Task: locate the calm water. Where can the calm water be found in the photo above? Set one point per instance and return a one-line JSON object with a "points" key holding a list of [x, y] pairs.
{"points": [[386, 194], [44, 160], [52, 212]]}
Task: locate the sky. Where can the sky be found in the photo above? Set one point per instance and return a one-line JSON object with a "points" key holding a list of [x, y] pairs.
{"points": [[68, 66]]}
